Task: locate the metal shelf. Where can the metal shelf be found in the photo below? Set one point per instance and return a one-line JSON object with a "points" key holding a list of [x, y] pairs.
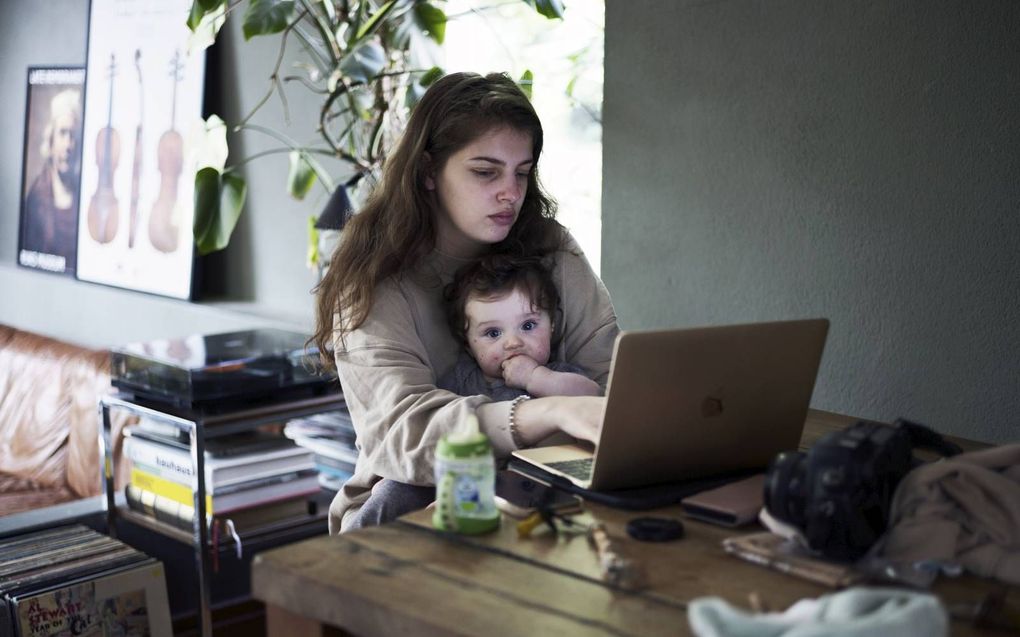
{"points": [[200, 426]]}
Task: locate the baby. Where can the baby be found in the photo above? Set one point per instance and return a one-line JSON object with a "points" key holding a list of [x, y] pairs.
{"points": [[502, 310]]}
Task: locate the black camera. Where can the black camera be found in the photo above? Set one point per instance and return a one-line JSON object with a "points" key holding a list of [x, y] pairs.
{"points": [[839, 493]]}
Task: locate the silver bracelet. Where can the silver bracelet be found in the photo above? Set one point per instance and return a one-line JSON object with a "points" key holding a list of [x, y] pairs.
{"points": [[514, 433]]}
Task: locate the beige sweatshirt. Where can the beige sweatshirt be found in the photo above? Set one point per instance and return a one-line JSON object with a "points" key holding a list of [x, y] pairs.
{"points": [[391, 363]]}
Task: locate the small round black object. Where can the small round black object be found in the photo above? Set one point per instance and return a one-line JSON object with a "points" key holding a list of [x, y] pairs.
{"points": [[655, 529]]}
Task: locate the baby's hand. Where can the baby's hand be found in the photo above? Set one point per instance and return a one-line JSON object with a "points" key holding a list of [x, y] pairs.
{"points": [[518, 369]]}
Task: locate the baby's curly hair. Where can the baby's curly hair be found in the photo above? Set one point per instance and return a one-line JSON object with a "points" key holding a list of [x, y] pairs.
{"points": [[496, 275]]}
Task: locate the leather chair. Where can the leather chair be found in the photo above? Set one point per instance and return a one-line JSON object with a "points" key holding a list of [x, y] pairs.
{"points": [[49, 420]]}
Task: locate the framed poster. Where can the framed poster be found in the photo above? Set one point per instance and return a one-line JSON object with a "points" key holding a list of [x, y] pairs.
{"points": [[143, 95], [51, 169]]}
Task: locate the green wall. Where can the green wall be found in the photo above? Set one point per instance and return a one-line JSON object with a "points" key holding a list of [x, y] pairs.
{"points": [[853, 160]]}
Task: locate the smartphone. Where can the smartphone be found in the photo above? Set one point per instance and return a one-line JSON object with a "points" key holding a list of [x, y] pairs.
{"points": [[522, 495]]}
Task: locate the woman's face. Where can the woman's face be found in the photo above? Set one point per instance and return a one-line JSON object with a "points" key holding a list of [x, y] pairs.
{"points": [[481, 189]]}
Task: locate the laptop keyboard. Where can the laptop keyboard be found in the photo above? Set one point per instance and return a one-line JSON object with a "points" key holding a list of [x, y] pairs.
{"points": [[580, 469]]}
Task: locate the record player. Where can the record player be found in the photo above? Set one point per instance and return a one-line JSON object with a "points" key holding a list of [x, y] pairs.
{"points": [[221, 370]]}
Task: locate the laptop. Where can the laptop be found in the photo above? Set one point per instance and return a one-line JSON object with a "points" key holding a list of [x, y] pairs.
{"points": [[684, 404]]}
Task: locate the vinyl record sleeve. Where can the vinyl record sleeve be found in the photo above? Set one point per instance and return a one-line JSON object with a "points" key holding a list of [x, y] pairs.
{"points": [[130, 601]]}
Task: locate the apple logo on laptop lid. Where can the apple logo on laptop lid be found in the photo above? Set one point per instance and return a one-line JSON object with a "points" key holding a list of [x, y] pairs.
{"points": [[711, 407]]}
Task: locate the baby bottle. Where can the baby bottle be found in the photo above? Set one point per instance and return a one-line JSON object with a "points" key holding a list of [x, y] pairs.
{"points": [[465, 481]]}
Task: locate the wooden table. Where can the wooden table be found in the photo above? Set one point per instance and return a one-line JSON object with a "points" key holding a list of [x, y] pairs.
{"points": [[406, 578]]}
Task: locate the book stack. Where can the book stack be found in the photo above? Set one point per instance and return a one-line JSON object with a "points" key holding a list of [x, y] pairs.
{"points": [[252, 479], [331, 438], [72, 580]]}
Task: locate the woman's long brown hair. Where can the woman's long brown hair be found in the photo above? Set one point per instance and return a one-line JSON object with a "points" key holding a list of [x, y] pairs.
{"points": [[396, 227]]}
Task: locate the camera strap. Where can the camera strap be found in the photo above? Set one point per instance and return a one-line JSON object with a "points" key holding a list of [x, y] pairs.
{"points": [[924, 437]]}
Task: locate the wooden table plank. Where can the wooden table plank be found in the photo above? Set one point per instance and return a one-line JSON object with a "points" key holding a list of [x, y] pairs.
{"points": [[674, 571], [399, 579]]}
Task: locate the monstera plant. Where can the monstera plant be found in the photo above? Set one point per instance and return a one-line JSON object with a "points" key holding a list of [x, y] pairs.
{"points": [[368, 61]]}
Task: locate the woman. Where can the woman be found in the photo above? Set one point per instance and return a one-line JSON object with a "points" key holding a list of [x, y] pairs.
{"points": [[461, 182]]}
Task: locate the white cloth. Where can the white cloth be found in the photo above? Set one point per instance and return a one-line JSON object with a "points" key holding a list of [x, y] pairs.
{"points": [[855, 612]]}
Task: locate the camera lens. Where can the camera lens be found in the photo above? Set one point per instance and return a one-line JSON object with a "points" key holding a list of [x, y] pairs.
{"points": [[785, 488]]}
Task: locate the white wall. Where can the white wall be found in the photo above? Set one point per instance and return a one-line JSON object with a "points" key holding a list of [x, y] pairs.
{"points": [[853, 160]]}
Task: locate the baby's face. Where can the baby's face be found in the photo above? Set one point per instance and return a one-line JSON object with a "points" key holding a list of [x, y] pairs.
{"points": [[501, 328]]}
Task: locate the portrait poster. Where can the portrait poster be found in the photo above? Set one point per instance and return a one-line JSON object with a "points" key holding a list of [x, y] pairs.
{"points": [[143, 99], [51, 168]]}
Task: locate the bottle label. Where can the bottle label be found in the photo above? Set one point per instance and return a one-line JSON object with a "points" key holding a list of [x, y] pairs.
{"points": [[472, 481]]}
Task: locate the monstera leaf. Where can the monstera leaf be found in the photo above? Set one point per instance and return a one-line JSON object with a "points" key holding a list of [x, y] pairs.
{"points": [[219, 199]]}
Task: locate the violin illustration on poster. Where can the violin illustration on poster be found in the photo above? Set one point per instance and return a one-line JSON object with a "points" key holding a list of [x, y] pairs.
{"points": [[163, 229], [136, 167], [144, 93], [103, 207]]}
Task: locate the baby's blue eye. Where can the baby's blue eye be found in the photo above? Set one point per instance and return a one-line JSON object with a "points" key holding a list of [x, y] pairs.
{"points": [[529, 325], [491, 333]]}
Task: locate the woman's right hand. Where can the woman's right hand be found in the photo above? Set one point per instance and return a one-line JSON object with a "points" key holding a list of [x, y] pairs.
{"points": [[576, 416]]}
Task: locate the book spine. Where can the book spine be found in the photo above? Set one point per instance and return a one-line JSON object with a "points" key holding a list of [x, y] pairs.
{"points": [[328, 447], [334, 463], [161, 508], [169, 489], [333, 472], [162, 461], [174, 464]]}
